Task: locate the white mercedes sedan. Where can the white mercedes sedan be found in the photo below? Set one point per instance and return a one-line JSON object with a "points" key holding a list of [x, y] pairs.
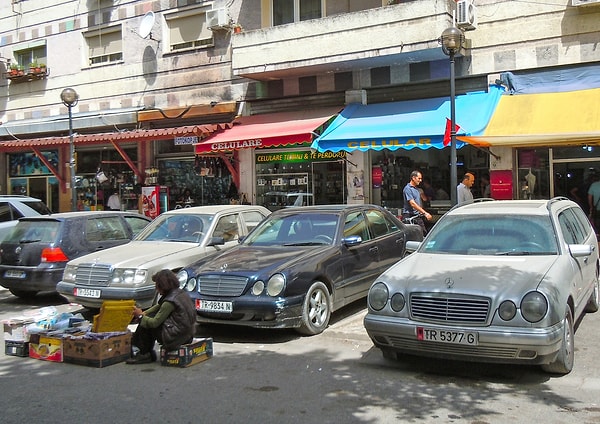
{"points": [[173, 240]]}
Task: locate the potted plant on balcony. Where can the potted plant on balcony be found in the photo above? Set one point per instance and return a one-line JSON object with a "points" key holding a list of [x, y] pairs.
{"points": [[14, 70], [237, 28], [34, 68]]}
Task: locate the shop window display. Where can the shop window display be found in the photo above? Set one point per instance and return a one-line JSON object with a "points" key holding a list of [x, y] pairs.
{"points": [[204, 180]]}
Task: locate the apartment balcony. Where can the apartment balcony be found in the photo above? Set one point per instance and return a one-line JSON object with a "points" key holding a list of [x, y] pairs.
{"points": [[392, 35]]}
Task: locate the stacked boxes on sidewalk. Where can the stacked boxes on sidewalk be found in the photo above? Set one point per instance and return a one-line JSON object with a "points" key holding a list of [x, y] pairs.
{"points": [[69, 338]]}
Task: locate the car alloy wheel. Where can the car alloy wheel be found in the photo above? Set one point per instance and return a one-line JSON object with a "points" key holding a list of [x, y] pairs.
{"points": [[316, 310], [565, 358]]}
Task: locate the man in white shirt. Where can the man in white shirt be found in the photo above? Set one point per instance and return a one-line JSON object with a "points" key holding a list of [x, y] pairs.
{"points": [[463, 190], [114, 203]]}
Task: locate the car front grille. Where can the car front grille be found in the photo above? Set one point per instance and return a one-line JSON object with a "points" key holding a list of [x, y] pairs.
{"points": [[93, 274], [221, 285], [440, 307]]}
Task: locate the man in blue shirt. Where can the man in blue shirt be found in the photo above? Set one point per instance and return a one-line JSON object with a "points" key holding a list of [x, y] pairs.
{"points": [[413, 204]]}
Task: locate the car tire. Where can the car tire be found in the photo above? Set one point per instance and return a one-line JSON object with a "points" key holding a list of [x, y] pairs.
{"points": [[563, 363], [592, 305], [316, 310], [23, 294]]}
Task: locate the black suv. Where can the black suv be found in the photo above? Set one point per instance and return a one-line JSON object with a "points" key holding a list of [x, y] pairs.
{"points": [[33, 256]]}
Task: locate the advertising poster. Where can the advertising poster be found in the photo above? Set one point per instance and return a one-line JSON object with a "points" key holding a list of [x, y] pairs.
{"points": [[149, 201]]}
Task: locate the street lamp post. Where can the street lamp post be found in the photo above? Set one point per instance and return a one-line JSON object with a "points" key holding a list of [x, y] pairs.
{"points": [[70, 98], [452, 40]]}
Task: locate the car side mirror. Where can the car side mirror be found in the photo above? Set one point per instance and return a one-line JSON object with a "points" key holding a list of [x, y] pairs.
{"points": [[412, 246], [352, 240], [580, 250], [216, 241]]}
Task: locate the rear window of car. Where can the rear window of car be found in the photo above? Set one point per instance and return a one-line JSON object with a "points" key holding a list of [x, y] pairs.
{"points": [[137, 224], [252, 219], [34, 231], [105, 228], [38, 206]]}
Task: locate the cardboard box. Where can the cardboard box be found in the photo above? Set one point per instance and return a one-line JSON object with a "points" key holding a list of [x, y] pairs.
{"points": [[15, 329], [97, 353], [189, 354], [46, 346], [16, 348]]}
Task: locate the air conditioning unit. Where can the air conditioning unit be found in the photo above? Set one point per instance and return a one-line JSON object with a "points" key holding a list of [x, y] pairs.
{"points": [[585, 2], [217, 19], [465, 15]]}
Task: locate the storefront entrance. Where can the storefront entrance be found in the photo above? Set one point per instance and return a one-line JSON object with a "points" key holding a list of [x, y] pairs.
{"points": [[329, 187]]}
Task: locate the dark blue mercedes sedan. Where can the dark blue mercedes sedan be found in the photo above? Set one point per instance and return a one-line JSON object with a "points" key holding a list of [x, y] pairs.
{"points": [[298, 266]]}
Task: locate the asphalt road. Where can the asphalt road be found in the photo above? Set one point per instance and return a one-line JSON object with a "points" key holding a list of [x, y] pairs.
{"points": [[279, 377]]}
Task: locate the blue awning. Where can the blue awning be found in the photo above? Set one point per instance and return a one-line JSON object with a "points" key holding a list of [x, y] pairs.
{"points": [[408, 124]]}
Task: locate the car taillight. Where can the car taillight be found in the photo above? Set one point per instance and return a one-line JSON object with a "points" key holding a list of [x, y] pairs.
{"points": [[54, 254]]}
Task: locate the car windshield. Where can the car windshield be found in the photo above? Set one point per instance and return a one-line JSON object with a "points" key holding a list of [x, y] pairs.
{"points": [[492, 235], [177, 227], [302, 229]]}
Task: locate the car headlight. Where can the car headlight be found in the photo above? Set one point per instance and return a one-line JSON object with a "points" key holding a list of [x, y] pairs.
{"points": [[397, 303], [69, 273], [378, 296], [275, 285], [534, 306], [182, 277], [258, 288], [129, 276], [507, 310], [191, 285]]}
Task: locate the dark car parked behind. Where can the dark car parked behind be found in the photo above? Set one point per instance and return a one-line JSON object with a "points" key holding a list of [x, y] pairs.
{"points": [[33, 256], [298, 266]]}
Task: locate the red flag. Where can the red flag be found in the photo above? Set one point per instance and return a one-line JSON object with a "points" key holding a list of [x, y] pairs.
{"points": [[448, 130]]}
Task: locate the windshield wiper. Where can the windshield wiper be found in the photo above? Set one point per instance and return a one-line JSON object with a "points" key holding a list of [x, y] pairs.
{"points": [[306, 243], [25, 241], [513, 253]]}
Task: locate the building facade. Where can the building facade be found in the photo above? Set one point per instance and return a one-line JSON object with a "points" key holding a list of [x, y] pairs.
{"points": [[224, 97]]}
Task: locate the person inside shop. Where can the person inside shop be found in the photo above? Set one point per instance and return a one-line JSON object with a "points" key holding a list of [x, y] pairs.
{"points": [[171, 320], [485, 186], [593, 196], [413, 204], [463, 190], [186, 197], [114, 202]]}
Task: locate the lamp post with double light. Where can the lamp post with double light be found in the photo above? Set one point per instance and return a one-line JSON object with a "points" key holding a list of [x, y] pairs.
{"points": [[70, 98], [452, 41]]}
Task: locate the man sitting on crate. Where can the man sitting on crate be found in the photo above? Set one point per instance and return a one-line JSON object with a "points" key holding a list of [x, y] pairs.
{"points": [[171, 321]]}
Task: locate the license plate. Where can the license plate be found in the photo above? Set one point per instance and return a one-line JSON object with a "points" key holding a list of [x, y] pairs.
{"points": [[447, 336], [86, 292], [13, 273], [214, 306]]}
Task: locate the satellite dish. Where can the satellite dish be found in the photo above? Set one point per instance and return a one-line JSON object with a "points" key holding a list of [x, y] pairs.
{"points": [[146, 25]]}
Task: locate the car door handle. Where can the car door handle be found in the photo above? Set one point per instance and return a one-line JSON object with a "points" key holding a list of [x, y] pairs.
{"points": [[374, 249]]}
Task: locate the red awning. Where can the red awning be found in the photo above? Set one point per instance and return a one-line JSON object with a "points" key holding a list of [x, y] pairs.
{"points": [[268, 130], [201, 131]]}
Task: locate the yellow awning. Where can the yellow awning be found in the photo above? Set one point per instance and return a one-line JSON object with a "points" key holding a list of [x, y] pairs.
{"points": [[543, 119]]}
